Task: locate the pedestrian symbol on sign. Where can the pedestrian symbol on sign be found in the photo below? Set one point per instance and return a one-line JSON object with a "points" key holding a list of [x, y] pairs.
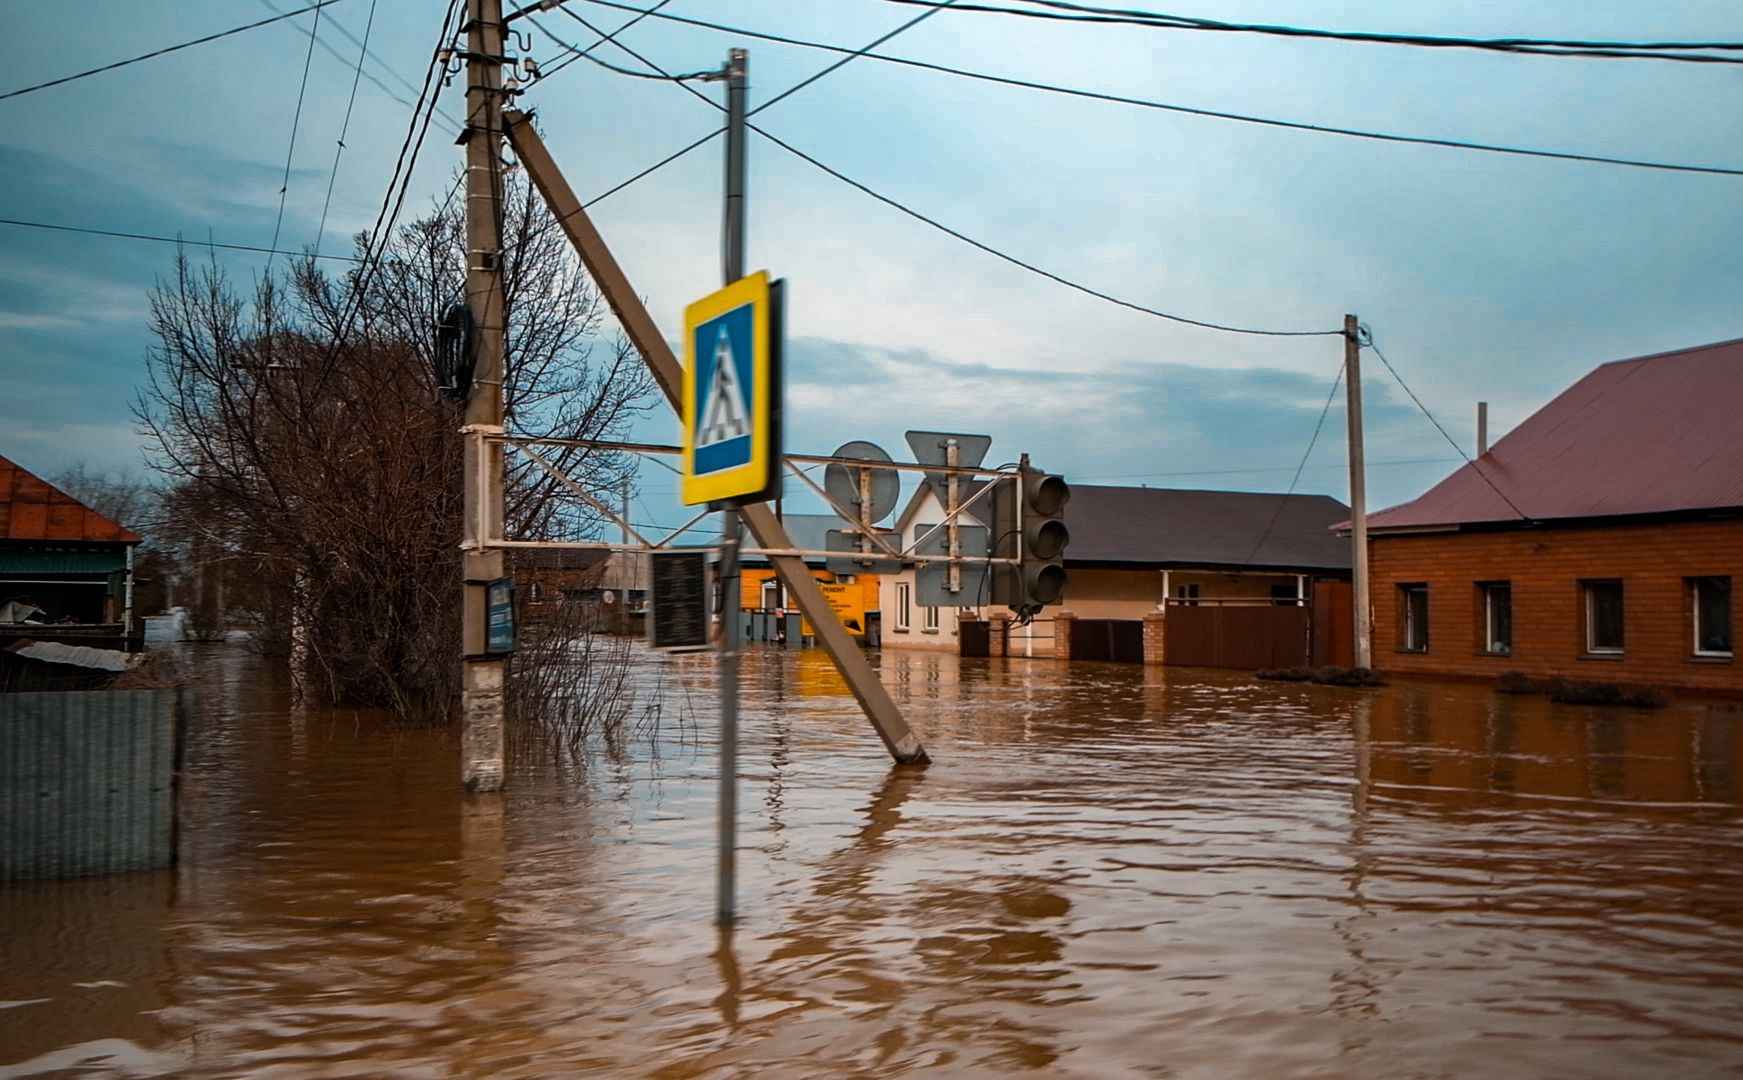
{"points": [[724, 415]]}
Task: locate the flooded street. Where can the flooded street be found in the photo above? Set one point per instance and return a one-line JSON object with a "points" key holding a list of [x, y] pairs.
{"points": [[1107, 871]]}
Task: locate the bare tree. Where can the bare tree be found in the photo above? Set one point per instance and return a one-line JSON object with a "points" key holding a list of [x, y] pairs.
{"points": [[302, 431]]}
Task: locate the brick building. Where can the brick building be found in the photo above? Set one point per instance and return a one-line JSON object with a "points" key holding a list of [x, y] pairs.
{"points": [[1600, 540]]}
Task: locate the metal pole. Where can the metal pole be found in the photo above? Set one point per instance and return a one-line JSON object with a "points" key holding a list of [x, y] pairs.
{"points": [[1482, 428], [481, 688], [1358, 496], [733, 269]]}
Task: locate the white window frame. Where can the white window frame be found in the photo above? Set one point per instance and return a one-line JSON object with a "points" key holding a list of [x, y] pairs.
{"points": [[1187, 594], [1588, 595], [1410, 644], [771, 594], [1695, 617], [929, 620], [904, 603], [1489, 646]]}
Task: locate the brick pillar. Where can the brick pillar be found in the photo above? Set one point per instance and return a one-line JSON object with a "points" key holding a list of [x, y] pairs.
{"points": [[1062, 635], [1154, 624], [998, 634]]}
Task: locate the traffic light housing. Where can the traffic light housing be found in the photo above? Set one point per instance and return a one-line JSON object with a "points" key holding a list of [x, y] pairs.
{"points": [[1029, 524]]}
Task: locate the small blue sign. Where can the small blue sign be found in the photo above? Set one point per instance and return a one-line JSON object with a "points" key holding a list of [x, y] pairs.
{"points": [[724, 387]]}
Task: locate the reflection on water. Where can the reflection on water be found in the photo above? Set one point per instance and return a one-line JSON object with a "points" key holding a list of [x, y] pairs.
{"points": [[1107, 871]]}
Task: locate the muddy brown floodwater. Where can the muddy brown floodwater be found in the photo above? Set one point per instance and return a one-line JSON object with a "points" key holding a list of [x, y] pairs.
{"points": [[1108, 871]]}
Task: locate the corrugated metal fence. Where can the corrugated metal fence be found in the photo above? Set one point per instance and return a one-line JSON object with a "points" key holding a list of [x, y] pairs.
{"points": [[87, 781]]}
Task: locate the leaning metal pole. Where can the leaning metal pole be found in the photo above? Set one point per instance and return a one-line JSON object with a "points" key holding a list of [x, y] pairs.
{"points": [[481, 685], [644, 334]]}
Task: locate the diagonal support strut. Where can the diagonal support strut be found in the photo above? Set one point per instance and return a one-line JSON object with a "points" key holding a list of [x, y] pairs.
{"points": [[639, 326]]}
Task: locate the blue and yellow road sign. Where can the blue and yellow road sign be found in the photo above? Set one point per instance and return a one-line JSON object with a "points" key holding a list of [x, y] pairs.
{"points": [[732, 375]]}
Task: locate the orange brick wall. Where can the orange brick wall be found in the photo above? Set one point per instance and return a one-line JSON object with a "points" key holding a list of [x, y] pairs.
{"points": [[1546, 566]]}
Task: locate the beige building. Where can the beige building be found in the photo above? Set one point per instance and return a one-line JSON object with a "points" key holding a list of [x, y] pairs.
{"points": [[1138, 552]]}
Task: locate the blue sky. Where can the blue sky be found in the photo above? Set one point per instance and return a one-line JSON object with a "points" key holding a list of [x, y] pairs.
{"points": [[1483, 277]]}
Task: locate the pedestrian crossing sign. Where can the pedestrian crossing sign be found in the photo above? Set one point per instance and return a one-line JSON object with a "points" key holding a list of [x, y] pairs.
{"points": [[731, 394]]}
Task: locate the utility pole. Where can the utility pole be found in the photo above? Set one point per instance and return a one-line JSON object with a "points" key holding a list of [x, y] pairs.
{"points": [[1358, 495], [738, 61], [1482, 428], [482, 675]]}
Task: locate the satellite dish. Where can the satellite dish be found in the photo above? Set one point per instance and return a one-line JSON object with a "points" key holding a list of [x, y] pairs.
{"points": [[844, 482]]}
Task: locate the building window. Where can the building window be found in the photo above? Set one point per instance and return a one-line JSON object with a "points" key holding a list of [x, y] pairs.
{"points": [[1286, 595], [1710, 598], [904, 599], [1497, 616], [929, 619], [1187, 595], [1413, 617], [771, 595], [1603, 600]]}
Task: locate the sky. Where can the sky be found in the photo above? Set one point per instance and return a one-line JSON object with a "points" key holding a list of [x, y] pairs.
{"points": [[1481, 276]]}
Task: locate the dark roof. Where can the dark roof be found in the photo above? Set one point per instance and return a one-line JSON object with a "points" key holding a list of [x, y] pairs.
{"points": [[1658, 434], [33, 509], [809, 532], [1172, 527]]}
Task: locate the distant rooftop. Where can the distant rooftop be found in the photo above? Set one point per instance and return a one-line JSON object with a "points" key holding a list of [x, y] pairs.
{"points": [[1658, 434], [33, 509], [1213, 529]]}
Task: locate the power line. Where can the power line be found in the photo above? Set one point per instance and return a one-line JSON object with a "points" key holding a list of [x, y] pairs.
{"points": [[1368, 342], [344, 126], [578, 53], [296, 121], [384, 221], [1680, 51], [1305, 454], [1264, 469], [852, 56], [118, 234], [1031, 267], [566, 61], [449, 123], [1188, 110], [165, 51]]}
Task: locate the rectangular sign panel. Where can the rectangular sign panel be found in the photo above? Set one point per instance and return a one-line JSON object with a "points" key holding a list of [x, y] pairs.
{"points": [[678, 617], [499, 617], [732, 393]]}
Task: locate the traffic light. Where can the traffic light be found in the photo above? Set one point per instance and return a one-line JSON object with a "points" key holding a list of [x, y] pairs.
{"points": [[1029, 522]]}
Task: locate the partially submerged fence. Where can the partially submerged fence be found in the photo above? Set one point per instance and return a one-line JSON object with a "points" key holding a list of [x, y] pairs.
{"points": [[87, 781]]}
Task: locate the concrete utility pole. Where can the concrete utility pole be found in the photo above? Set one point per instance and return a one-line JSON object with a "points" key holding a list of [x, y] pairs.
{"points": [[1358, 496], [481, 687], [1482, 428], [732, 268]]}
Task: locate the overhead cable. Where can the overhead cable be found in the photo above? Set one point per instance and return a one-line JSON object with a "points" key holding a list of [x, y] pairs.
{"points": [[344, 126], [603, 39], [1305, 454], [1188, 110], [915, 214], [165, 51], [1678, 51], [296, 121], [1367, 342], [116, 233], [449, 123]]}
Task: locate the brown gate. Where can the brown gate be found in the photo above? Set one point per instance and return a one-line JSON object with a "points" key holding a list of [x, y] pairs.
{"points": [[1236, 637], [974, 637], [1119, 640], [1334, 628]]}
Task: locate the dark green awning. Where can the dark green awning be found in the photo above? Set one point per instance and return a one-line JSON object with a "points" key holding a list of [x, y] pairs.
{"points": [[61, 562]]}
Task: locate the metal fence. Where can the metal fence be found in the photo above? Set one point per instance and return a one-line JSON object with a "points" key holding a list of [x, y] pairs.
{"points": [[87, 781]]}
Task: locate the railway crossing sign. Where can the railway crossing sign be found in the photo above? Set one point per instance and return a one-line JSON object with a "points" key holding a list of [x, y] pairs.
{"points": [[732, 393]]}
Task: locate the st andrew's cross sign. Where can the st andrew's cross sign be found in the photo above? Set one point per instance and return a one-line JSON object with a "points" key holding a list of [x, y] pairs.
{"points": [[732, 393]]}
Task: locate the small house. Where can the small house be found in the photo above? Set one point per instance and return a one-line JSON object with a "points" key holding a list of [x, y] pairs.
{"points": [[66, 571], [1598, 541]]}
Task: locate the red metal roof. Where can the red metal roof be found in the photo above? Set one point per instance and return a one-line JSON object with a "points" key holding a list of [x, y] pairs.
{"points": [[1652, 435], [33, 509]]}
